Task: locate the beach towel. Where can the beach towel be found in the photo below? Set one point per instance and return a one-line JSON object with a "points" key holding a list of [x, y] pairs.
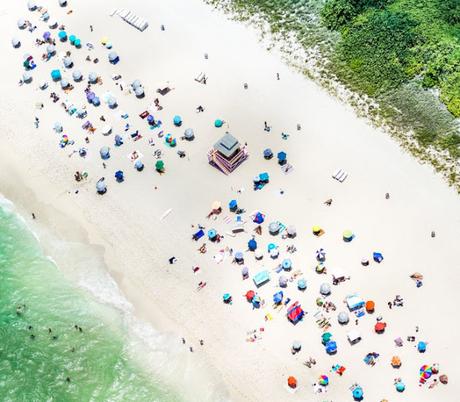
{"points": [[340, 175]]}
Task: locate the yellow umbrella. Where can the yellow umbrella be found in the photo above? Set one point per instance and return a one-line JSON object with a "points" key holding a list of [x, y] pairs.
{"points": [[316, 229], [104, 40], [347, 234]]}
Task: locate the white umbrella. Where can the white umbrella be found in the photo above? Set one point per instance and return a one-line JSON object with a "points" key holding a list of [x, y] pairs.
{"points": [[31, 5], [27, 77], [21, 23], [343, 317], [189, 134], [136, 84], [62, 3], [139, 91], [106, 130], [67, 62], [51, 49], [325, 289], [53, 25], [92, 78], [76, 75], [64, 84], [58, 127], [15, 42], [258, 254]]}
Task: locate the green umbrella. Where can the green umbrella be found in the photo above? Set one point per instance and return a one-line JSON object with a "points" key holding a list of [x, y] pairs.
{"points": [[160, 165], [326, 337]]}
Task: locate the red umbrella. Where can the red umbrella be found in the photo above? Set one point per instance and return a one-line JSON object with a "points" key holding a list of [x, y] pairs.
{"points": [[380, 327], [250, 295]]}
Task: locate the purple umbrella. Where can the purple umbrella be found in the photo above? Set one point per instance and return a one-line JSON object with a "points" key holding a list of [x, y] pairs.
{"points": [[46, 35], [150, 118], [90, 96]]}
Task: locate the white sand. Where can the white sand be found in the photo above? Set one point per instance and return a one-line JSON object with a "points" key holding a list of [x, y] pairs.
{"points": [[38, 175]]}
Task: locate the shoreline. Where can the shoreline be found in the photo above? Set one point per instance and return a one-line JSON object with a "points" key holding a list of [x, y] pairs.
{"points": [[136, 246]]}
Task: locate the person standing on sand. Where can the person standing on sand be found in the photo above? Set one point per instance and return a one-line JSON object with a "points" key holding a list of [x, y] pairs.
{"points": [[91, 28], [33, 215]]}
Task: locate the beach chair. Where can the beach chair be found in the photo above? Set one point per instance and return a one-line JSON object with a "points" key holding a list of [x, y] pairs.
{"points": [[201, 77], [340, 175]]}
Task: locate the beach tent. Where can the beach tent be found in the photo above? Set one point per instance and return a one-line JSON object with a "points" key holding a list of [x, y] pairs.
{"points": [[250, 295], [295, 313], [77, 75], [261, 278], [105, 152], [27, 77], [139, 92], [274, 228], [31, 5], [353, 336], [15, 42], [56, 75], [159, 166], [278, 297], [113, 58], [378, 257], [252, 245], [218, 123], [64, 84], [62, 36], [68, 63], [177, 120], [21, 23], [268, 153], [101, 187], [301, 284], [354, 302], [286, 264], [358, 394], [92, 78], [139, 166], [119, 176], [325, 289], [62, 3], [343, 317], [331, 347], [189, 135]]}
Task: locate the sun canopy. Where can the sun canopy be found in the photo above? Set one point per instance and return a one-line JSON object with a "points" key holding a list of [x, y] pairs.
{"points": [[261, 277]]}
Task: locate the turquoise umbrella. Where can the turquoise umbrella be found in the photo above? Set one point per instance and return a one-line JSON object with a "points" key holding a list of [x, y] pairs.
{"points": [[219, 123], [62, 35], [72, 39], [77, 43], [177, 120]]}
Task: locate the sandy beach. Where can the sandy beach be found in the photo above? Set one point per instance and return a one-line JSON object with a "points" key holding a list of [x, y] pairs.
{"points": [[142, 222]]}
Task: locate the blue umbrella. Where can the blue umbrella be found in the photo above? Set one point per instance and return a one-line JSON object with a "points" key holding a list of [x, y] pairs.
{"points": [[286, 264], [118, 140], [421, 347], [56, 75], [282, 156], [119, 176], [62, 35], [212, 234], [139, 165], [378, 257], [252, 245], [256, 301], [113, 58], [271, 246], [400, 387], [239, 256], [105, 152], [268, 154], [177, 120], [232, 205], [218, 123], [301, 284], [46, 35], [278, 297], [331, 347], [96, 101], [358, 394]]}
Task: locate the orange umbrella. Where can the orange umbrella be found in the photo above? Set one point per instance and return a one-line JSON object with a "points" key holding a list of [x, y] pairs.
{"points": [[396, 362], [292, 382], [370, 306]]}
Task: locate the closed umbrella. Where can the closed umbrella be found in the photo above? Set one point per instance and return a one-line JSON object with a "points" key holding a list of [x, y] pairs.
{"points": [[101, 187], [105, 152], [286, 264], [139, 92], [77, 75], [274, 228], [51, 49], [64, 84], [283, 281], [113, 57], [343, 317], [92, 78], [189, 134], [16, 42], [139, 165], [27, 76], [21, 23], [325, 289]]}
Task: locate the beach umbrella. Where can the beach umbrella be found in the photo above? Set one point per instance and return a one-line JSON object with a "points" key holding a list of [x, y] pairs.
{"points": [[444, 379], [250, 295], [62, 35], [256, 179], [268, 154], [105, 152], [316, 230], [62, 3], [212, 234], [325, 289], [264, 177], [72, 39], [218, 123], [96, 101], [245, 272], [77, 76], [274, 253], [258, 254], [320, 268], [283, 281], [139, 165], [58, 127], [380, 327], [378, 257], [421, 347], [425, 372], [136, 84], [291, 231], [106, 130], [46, 36], [258, 218], [320, 254], [15, 42], [90, 96], [326, 337], [159, 165], [227, 297], [343, 317], [113, 57], [239, 256], [301, 284], [81, 112], [77, 43], [347, 235], [31, 5], [118, 140], [282, 156], [278, 297], [396, 362], [150, 119], [286, 264], [400, 387], [370, 306], [296, 345], [68, 63], [271, 246], [323, 380], [274, 228], [21, 23], [101, 187], [27, 76], [189, 134], [119, 176], [53, 25], [92, 78], [64, 84], [139, 92], [252, 245], [292, 382], [112, 102], [358, 394], [177, 120], [364, 262], [51, 49], [233, 205], [256, 301], [331, 347]]}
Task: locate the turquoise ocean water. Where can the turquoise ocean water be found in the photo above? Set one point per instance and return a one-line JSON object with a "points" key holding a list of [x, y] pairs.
{"points": [[43, 356]]}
